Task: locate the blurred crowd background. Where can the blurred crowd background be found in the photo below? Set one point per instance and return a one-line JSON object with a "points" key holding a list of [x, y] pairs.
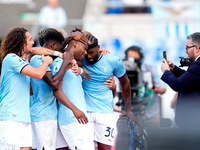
{"points": [[153, 25]]}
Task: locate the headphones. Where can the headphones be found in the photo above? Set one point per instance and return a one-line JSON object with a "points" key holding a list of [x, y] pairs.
{"points": [[134, 48]]}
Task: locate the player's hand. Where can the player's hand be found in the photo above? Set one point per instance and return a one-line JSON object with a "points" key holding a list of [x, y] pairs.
{"points": [[80, 116], [76, 69], [130, 115], [164, 66], [110, 83], [80, 37], [104, 51], [47, 59], [68, 57]]}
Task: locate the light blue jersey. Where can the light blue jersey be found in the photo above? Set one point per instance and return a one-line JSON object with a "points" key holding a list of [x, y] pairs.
{"points": [[15, 90], [43, 106], [72, 87], [99, 98]]}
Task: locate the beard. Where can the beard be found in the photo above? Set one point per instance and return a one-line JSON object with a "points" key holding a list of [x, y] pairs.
{"points": [[92, 60], [191, 58]]}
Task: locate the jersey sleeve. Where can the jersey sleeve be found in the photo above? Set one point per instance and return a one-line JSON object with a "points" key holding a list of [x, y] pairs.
{"points": [[119, 69], [15, 63], [55, 66], [36, 61]]}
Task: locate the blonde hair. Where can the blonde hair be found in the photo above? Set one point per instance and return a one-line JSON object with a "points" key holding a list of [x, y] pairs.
{"points": [[64, 33]]}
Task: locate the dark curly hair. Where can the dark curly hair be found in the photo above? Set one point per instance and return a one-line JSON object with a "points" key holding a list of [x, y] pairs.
{"points": [[41, 35], [47, 35], [53, 35], [14, 42], [136, 49]]}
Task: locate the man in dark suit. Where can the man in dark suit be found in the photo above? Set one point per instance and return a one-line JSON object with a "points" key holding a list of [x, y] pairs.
{"points": [[187, 83]]}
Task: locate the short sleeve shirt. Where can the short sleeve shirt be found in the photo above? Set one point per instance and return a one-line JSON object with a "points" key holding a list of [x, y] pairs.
{"points": [[99, 98], [15, 90]]}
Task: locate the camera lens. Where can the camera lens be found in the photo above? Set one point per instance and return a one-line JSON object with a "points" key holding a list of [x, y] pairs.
{"points": [[184, 62]]}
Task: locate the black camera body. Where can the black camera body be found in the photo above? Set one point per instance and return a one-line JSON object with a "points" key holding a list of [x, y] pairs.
{"points": [[132, 66], [184, 62]]}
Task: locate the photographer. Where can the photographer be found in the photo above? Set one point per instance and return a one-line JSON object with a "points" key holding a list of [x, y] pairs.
{"points": [[148, 80], [187, 83]]}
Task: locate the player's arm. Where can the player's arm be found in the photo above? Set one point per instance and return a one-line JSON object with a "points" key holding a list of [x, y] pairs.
{"points": [[104, 51], [40, 71], [126, 90], [54, 80], [45, 51], [84, 73], [80, 116]]}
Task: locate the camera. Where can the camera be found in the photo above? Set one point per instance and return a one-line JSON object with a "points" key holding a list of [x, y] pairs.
{"points": [[184, 62]]}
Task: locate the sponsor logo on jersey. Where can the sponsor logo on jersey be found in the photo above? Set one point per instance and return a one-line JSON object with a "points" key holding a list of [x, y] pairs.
{"points": [[21, 62], [55, 70]]}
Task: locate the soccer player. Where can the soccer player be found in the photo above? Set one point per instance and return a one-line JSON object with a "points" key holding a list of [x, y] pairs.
{"points": [[44, 107], [99, 98], [15, 127], [78, 136]]}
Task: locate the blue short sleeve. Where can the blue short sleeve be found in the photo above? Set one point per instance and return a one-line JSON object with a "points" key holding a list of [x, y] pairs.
{"points": [[119, 69], [17, 63]]}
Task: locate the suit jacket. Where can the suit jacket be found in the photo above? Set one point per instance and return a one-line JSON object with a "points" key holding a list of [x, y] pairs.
{"points": [[188, 85]]}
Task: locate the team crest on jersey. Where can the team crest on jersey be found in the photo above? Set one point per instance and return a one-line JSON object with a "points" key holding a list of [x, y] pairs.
{"points": [[104, 68], [55, 69], [21, 62]]}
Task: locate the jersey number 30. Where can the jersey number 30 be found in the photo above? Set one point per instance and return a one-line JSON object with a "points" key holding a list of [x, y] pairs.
{"points": [[110, 132]]}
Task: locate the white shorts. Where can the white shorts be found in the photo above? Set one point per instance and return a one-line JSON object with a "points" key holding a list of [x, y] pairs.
{"points": [[14, 135], [60, 141], [103, 127], [78, 136], [45, 134], [34, 146]]}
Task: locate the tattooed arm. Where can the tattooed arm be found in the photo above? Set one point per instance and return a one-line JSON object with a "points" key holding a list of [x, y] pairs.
{"points": [[45, 51], [84, 73]]}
